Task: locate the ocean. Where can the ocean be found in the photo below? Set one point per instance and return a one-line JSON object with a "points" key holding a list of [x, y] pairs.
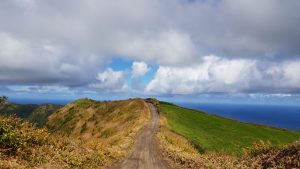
{"points": [[287, 117]]}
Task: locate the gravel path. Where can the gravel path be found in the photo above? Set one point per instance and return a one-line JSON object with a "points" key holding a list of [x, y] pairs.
{"points": [[145, 153]]}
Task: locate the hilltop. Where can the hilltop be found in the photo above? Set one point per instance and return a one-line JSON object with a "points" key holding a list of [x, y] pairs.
{"points": [[86, 118]]}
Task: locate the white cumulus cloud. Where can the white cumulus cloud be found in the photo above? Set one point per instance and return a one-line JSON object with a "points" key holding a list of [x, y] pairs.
{"points": [[110, 81], [139, 69]]}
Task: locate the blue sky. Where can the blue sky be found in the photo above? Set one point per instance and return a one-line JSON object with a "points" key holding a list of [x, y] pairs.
{"points": [[121, 65], [227, 51]]}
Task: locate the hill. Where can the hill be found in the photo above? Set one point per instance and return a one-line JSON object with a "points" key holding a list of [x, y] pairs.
{"points": [[216, 133], [200, 140], [82, 134], [86, 118], [33, 113], [108, 125]]}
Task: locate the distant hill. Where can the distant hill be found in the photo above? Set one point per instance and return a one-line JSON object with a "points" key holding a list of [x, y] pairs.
{"points": [[33, 113]]}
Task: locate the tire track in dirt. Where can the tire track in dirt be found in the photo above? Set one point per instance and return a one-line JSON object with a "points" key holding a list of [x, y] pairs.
{"points": [[145, 153]]}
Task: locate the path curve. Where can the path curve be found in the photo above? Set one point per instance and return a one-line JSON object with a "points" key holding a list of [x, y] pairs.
{"points": [[145, 153]]}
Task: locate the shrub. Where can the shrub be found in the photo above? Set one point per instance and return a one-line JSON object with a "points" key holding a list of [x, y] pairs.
{"points": [[84, 103], [258, 148], [262, 155], [198, 147], [16, 135]]}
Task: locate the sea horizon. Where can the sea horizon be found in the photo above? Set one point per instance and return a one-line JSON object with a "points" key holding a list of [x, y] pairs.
{"points": [[279, 116]]}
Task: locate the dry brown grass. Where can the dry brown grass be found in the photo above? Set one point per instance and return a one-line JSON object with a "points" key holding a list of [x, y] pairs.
{"points": [[57, 153], [111, 126], [108, 135], [24, 146], [264, 155]]}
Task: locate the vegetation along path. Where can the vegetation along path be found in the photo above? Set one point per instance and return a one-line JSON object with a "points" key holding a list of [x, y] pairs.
{"points": [[145, 153]]}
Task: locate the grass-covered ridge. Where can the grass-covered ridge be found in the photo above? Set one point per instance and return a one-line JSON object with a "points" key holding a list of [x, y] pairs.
{"points": [[214, 133], [86, 118], [108, 125]]}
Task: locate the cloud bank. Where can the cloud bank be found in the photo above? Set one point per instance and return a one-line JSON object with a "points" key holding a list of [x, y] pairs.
{"points": [[217, 46], [220, 75]]}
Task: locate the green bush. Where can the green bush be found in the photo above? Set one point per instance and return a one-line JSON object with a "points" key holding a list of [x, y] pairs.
{"points": [[84, 103], [16, 135]]}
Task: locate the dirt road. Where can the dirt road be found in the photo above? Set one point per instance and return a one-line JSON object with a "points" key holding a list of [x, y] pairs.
{"points": [[145, 153]]}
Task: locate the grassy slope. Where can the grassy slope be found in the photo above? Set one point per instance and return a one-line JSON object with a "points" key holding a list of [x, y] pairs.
{"points": [[89, 118], [221, 134], [25, 146], [109, 126]]}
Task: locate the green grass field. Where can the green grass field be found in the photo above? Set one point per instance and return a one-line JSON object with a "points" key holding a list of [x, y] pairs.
{"points": [[221, 134]]}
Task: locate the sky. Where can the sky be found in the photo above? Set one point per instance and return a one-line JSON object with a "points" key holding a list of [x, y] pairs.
{"points": [[244, 51]]}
